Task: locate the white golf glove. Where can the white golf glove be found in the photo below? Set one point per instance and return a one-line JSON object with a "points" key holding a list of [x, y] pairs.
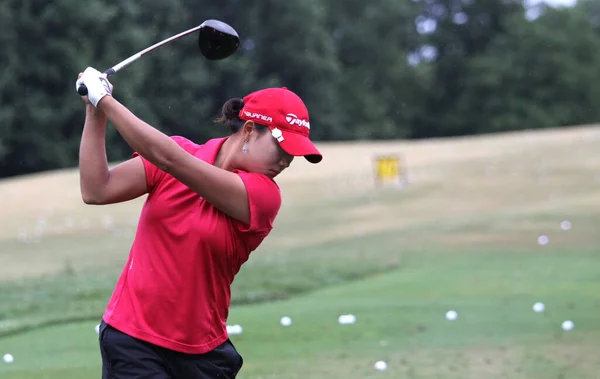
{"points": [[97, 85]]}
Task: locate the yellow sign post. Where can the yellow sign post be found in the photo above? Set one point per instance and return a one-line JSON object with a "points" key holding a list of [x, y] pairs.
{"points": [[389, 169]]}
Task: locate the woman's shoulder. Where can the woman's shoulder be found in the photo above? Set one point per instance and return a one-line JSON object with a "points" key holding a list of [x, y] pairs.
{"points": [[185, 143], [193, 147]]}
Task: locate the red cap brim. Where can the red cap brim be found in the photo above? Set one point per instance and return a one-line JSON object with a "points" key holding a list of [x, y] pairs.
{"points": [[300, 146]]}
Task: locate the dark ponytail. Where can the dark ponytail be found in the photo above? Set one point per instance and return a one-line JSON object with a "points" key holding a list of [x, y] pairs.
{"points": [[230, 115]]}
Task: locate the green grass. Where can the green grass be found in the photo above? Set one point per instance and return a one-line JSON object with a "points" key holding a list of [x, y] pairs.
{"points": [[400, 319], [462, 235]]}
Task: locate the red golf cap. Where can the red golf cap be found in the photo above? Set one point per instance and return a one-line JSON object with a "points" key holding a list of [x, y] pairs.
{"points": [[285, 114]]}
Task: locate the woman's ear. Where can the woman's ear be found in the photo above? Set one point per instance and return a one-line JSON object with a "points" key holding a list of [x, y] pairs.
{"points": [[247, 130]]}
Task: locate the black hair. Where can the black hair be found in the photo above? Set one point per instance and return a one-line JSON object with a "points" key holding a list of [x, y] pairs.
{"points": [[231, 119]]}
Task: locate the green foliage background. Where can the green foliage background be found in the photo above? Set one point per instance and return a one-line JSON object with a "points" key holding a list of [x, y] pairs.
{"points": [[494, 70]]}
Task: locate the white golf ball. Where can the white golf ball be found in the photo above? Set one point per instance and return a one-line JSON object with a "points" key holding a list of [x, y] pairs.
{"points": [[380, 365], [347, 319], [8, 358], [565, 225], [97, 328], [543, 240], [286, 321], [568, 325], [234, 329], [451, 315], [539, 307]]}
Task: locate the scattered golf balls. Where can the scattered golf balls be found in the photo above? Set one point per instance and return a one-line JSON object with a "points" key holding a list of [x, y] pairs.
{"points": [[565, 225], [8, 358], [539, 307], [568, 325], [347, 319], [286, 321], [380, 365], [97, 328], [543, 240], [451, 315]]}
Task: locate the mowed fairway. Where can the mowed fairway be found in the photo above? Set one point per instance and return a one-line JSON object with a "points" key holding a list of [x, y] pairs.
{"points": [[463, 235]]}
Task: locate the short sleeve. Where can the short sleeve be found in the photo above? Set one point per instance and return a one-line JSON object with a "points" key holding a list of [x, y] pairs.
{"points": [[153, 174], [264, 200]]}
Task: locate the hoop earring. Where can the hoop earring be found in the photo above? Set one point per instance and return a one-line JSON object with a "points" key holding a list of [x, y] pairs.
{"points": [[245, 148]]}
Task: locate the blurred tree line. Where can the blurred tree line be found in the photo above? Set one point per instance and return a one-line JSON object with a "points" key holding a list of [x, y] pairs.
{"points": [[366, 70]]}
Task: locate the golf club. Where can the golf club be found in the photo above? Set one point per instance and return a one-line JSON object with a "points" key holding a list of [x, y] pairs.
{"points": [[217, 40]]}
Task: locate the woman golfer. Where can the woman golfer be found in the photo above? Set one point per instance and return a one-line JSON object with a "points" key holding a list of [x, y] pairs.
{"points": [[208, 207]]}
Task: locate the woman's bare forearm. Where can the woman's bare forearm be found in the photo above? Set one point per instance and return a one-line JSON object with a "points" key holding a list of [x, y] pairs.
{"points": [[222, 188], [150, 143], [93, 163]]}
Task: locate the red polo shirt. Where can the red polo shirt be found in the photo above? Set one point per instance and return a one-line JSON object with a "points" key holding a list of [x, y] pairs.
{"points": [[174, 290]]}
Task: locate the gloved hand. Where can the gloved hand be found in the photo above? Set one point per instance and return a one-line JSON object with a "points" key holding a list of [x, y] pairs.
{"points": [[97, 85]]}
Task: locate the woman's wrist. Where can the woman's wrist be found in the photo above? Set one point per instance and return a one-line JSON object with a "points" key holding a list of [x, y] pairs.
{"points": [[94, 112]]}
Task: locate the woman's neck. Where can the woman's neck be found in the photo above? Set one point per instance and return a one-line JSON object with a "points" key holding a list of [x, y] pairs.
{"points": [[225, 158]]}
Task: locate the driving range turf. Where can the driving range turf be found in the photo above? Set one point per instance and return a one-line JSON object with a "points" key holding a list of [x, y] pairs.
{"points": [[462, 235]]}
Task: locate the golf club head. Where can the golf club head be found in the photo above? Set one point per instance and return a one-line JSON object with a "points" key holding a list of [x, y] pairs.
{"points": [[217, 40]]}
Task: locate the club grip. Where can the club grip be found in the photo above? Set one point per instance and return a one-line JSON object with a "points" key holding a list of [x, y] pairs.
{"points": [[82, 90]]}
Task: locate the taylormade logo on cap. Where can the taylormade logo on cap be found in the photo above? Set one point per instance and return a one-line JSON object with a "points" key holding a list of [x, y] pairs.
{"points": [[292, 119], [259, 116]]}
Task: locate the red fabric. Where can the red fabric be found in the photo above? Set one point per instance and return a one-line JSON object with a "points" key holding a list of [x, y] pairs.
{"points": [[174, 290]]}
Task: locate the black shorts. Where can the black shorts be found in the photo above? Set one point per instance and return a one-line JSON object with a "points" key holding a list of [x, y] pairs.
{"points": [[124, 357]]}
